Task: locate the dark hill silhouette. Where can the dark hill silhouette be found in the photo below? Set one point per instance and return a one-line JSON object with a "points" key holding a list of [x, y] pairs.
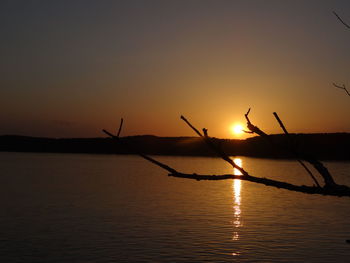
{"points": [[334, 146]]}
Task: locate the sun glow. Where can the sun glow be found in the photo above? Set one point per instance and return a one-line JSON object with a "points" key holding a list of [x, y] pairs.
{"points": [[237, 129]]}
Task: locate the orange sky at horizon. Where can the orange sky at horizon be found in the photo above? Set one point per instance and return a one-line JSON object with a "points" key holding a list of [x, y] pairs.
{"points": [[73, 69]]}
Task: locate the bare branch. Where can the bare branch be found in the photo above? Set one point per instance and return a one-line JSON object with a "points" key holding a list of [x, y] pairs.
{"points": [[110, 134], [336, 190], [120, 126], [329, 183], [341, 20], [161, 165], [214, 147], [118, 133], [328, 179], [189, 124], [340, 190], [323, 171], [281, 124], [294, 153], [150, 159], [205, 132], [342, 87], [252, 128]]}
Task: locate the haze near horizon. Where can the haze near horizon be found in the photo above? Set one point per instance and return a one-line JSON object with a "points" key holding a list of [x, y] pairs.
{"points": [[71, 68]]}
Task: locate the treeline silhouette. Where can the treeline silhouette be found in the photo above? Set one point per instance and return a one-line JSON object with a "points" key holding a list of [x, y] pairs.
{"points": [[331, 146]]}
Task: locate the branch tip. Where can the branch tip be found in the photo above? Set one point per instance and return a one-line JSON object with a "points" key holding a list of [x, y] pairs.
{"points": [[342, 87], [341, 20]]}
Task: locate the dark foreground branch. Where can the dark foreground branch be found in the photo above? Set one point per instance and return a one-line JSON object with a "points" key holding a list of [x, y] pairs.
{"points": [[217, 150], [341, 20], [338, 190], [135, 151], [293, 151], [342, 87], [321, 169], [333, 190]]}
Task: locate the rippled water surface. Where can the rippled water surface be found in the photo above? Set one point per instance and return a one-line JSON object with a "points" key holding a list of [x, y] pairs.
{"points": [[104, 208]]}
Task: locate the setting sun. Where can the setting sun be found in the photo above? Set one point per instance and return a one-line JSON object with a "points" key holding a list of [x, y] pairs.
{"points": [[237, 129]]}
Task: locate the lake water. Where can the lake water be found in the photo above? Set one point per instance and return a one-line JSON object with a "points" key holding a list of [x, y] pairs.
{"points": [[106, 208]]}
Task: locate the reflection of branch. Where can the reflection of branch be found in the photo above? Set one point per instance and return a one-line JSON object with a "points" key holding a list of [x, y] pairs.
{"points": [[342, 87], [341, 20]]}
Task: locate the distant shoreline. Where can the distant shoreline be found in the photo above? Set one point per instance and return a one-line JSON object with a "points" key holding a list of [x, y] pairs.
{"points": [[329, 146]]}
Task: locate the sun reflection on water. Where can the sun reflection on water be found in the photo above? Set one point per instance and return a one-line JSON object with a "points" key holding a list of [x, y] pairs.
{"points": [[236, 187]]}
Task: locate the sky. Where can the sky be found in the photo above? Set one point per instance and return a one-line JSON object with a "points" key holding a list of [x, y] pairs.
{"points": [[72, 68]]}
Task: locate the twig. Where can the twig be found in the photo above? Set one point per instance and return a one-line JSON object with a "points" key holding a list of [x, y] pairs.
{"points": [[338, 190], [323, 171], [214, 147], [192, 127], [252, 128], [255, 129], [120, 126], [150, 159], [341, 20], [342, 87], [281, 124], [293, 151], [341, 190]]}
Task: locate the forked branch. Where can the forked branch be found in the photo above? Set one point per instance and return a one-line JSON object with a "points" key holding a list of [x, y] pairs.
{"points": [[342, 87], [323, 171], [337, 190], [135, 151], [219, 152], [293, 150]]}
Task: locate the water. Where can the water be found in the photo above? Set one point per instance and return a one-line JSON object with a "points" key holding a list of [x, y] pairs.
{"points": [[104, 208]]}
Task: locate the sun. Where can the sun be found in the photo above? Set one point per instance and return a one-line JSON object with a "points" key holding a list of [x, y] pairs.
{"points": [[237, 129]]}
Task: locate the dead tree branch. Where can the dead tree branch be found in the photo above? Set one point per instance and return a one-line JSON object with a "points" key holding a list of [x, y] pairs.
{"points": [[341, 20], [293, 150], [214, 147], [135, 151], [323, 171], [342, 87], [338, 190], [253, 128], [120, 126]]}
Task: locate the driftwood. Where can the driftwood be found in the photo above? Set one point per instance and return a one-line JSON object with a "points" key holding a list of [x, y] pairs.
{"points": [[330, 187]]}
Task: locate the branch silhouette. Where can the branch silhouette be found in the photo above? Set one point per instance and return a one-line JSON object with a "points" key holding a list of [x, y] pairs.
{"points": [[341, 20], [322, 170], [293, 150], [348, 26], [332, 190], [135, 151], [342, 87]]}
